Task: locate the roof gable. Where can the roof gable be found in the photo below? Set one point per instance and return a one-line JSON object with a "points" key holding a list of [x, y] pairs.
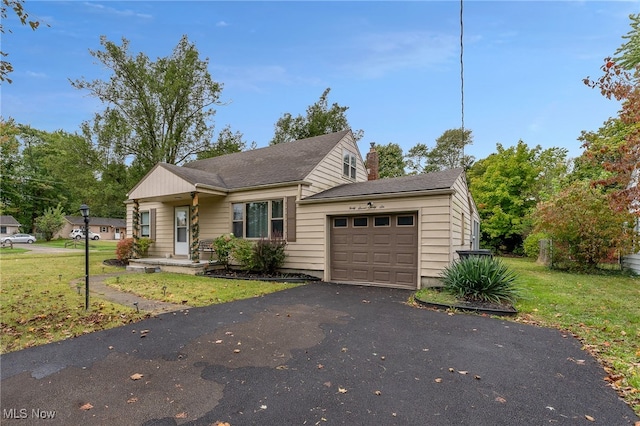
{"points": [[405, 184], [8, 221], [281, 163]]}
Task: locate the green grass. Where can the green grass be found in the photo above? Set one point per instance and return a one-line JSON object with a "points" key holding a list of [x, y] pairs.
{"points": [[38, 305], [603, 311], [193, 290]]}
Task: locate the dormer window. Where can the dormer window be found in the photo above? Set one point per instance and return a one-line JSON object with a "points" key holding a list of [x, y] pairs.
{"points": [[348, 164]]}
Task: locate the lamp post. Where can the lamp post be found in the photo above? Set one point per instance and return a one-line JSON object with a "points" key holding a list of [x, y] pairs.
{"points": [[84, 210]]}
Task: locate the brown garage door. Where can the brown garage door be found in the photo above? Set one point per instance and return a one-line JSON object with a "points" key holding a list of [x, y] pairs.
{"points": [[376, 249]]}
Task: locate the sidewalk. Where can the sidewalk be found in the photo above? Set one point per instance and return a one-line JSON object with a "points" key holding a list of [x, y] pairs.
{"points": [[98, 288]]}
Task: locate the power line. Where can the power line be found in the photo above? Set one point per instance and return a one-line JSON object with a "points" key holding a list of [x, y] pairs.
{"points": [[462, 78]]}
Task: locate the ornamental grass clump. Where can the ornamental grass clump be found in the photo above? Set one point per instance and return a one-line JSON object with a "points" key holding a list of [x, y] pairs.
{"points": [[480, 278]]}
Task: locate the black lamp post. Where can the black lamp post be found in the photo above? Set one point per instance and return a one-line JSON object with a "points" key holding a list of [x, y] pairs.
{"points": [[84, 210]]}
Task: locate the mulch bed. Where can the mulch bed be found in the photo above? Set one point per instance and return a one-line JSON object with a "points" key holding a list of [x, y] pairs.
{"points": [[246, 275], [474, 306]]}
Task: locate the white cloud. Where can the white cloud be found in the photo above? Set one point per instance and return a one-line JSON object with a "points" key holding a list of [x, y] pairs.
{"points": [[221, 24], [36, 74], [119, 12], [374, 55]]}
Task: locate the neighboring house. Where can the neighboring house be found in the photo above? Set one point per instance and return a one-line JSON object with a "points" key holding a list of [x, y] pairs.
{"points": [[632, 261], [107, 228], [8, 226], [339, 225]]}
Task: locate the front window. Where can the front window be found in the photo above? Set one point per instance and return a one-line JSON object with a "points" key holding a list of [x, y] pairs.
{"points": [[3, 229], [145, 228], [258, 219], [348, 164]]}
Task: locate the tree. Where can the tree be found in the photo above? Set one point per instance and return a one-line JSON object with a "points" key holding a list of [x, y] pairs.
{"points": [[447, 154], [449, 151], [320, 120], [50, 222], [155, 111], [582, 226], [506, 188], [390, 160], [18, 8], [227, 143], [619, 81]]}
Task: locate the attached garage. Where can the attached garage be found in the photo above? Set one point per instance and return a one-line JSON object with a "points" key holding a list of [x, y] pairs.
{"points": [[375, 249]]}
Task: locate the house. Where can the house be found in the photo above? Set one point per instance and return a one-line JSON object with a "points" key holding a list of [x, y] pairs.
{"points": [[8, 226], [107, 228], [632, 261], [339, 225]]}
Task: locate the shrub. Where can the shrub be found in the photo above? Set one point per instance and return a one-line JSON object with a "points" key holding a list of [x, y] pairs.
{"points": [[480, 278], [124, 249], [532, 244], [224, 245], [269, 254], [243, 253], [143, 245]]}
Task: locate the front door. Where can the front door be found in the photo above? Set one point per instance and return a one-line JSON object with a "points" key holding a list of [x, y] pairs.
{"points": [[182, 231]]}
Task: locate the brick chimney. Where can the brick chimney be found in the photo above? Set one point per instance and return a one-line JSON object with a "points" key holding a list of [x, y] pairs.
{"points": [[372, 162]]}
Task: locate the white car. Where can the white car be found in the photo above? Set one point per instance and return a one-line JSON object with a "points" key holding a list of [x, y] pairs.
{"points": [[19, 238], [79, 234]]}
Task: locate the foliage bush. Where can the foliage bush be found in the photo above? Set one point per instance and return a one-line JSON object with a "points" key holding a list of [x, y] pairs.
{"points": [[124, 249], [531, 244], [143, 245], [269, 254], [243, 253], [50, 222], [480, 278], [584, 228], [224, 246]]}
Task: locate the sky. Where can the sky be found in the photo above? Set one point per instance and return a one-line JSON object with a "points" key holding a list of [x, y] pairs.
{"points": [[394, 64]]}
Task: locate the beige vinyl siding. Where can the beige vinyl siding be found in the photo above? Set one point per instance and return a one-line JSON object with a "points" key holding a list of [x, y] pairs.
{"points": [[328, 173], [160, 182], [460, 209]]}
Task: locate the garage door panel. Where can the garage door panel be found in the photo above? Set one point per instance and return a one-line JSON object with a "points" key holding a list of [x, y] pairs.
{"points": [[381, 276], [382, 239], [406, 240], [360, 257], [407, 259], [360, 239], [340, 238], [340, 256], [405, 279], [360, 274], [382, 258]]}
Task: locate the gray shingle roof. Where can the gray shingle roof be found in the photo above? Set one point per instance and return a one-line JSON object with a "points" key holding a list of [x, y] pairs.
{"points": [[281, 163], [399, 185], [101, 221], [8, 221]]}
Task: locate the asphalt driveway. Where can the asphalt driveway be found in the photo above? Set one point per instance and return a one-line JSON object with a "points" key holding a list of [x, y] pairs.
{"points": [[313, 355]]}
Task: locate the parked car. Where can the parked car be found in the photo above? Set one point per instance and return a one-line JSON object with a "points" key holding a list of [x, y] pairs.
{"points": [[19, 238], [79, 234]]}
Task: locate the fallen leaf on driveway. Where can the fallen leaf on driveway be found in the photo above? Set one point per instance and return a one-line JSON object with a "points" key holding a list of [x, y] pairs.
{"points": [[218, 341], [236, 351], [451, 370], [132, 400], [501, 399], [378, 393], [476, 377], [342, 390], [463, 372], [136, 376], [438, 380], [591, 419], [182, 415], [86, 407]]}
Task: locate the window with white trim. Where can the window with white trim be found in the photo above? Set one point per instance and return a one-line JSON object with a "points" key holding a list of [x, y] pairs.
{"points": [[348, 164], [145, 224], [258, 219]]}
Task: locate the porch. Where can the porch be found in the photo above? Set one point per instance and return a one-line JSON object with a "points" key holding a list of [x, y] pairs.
{"points": [[175, 265]]}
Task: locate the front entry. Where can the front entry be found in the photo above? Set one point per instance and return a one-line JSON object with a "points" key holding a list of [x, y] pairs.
{"points": [[181, 243]]}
